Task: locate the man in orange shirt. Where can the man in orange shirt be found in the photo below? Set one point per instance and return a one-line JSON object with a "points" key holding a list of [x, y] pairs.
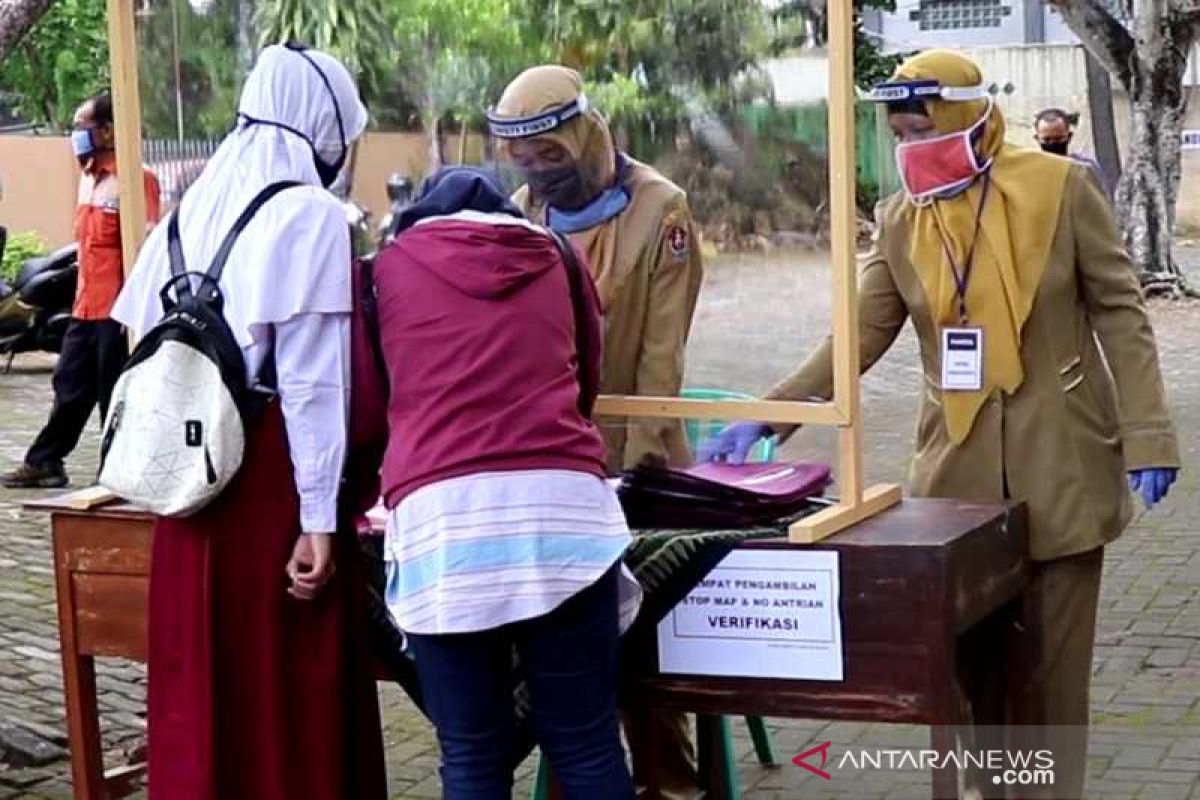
{"points": [[94, 347]]}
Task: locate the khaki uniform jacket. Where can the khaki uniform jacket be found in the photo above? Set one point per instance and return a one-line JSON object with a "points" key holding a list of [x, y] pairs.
{"points": [[1092, 403], [648, 269]]}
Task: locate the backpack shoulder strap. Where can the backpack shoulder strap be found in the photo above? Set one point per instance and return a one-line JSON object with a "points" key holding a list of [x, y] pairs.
{"points": [[218, 263], [579, 307], [178, 268], [174, 246], [368, 302]]}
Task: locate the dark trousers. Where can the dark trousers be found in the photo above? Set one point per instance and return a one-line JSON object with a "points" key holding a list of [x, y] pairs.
{"points": [[93, 354], [569, 660]]}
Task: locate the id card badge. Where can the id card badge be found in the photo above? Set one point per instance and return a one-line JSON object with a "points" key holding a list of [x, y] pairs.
{"points": [[962, 359]]}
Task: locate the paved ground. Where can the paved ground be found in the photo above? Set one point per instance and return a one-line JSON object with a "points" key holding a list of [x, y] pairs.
{"points": [[757, 318]]}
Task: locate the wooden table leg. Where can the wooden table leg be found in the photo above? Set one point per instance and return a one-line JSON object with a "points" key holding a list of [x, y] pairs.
{"points": [[83, 727], [951, 723], [976, 705], [945, 782], [79, 686]]}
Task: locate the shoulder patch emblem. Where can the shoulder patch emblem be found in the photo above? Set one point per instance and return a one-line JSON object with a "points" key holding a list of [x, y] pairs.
{"points": [[677, 240]]}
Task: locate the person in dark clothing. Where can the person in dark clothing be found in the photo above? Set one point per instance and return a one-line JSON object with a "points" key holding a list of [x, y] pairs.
{"points": [[94, 346], [1054, 129]]}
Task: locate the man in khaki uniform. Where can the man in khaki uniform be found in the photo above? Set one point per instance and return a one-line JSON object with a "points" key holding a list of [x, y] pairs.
{"points": [[1022, 247], [635, 229]]}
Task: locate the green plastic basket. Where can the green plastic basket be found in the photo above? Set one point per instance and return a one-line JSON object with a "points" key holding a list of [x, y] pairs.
{"points": [[699, 430]]}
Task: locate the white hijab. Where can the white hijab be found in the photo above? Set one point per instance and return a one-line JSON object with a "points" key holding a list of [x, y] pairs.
{"points": [[294, 257]]}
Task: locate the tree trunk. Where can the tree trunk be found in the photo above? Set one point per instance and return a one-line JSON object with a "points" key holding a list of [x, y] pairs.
{"points": [[432, 117], [1149, 187], [1145, 50], [437, 151], [16, 18], [247, 34], [49, 100], [1104, 129]]}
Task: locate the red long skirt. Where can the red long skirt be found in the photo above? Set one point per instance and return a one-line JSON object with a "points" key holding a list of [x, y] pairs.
{"points": [[252, 693]]}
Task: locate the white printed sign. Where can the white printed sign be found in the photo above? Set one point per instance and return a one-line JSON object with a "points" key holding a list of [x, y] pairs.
{"points": [[1191, 140], [759, 614]]}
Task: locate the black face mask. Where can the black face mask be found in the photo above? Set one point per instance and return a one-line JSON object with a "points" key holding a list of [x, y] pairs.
{"points": [[561, 187], [1059, 148], [328, 171]]}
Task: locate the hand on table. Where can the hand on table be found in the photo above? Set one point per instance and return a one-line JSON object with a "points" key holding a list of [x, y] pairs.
{"points": [[1153, 484], [733, 444]]}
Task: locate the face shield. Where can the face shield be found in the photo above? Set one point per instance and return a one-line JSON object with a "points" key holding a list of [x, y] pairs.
{"points": [[920, 91], [507, 129], [943, 165], [535, 150]]}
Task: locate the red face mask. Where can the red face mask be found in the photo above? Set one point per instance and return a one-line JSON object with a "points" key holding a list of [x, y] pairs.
{"points": [[943, 166]]}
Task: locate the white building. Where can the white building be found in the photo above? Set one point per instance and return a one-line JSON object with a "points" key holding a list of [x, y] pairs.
{"points": [[919, 24]]}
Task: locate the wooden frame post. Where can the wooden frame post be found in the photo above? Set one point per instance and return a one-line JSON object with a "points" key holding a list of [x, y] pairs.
{"points": [[856, 502], [127, 121], [845, 410]]}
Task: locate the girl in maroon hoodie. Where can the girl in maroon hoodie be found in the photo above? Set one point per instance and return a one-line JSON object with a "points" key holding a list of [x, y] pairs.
{"points": [[502, 530]]}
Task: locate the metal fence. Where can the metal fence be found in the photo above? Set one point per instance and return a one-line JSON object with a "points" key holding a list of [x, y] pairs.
{"points": [[176, 164]]}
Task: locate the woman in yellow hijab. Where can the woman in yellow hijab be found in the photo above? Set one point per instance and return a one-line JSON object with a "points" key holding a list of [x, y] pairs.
{"points": [[1042, 382]]}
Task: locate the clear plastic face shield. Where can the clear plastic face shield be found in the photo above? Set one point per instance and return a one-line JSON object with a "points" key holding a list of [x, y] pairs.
{"points": [[521, 156], [943, 165]]}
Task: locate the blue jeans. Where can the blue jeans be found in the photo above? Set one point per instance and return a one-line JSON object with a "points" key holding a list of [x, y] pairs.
{"points": [[569, 660]]}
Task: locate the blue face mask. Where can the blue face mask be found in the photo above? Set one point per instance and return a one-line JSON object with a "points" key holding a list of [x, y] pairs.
{"points": [[607, 205], [82, 144]]}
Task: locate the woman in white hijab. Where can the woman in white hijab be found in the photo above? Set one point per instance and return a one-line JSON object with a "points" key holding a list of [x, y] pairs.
{"points": [[260, 684]]}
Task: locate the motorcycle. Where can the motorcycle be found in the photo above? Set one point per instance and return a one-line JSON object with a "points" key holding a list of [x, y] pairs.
{"points": [[36, 308], [400, 197]]}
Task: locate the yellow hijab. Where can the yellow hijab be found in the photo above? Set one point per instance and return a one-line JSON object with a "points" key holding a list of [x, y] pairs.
{"points": [[1019, 221], [588, 139]]}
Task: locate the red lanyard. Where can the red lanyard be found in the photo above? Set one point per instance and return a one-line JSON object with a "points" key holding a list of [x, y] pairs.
{"points": [[963, 276]]}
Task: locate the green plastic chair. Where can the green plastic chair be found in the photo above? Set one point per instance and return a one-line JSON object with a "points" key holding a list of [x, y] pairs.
{"points": [[707, 725]]}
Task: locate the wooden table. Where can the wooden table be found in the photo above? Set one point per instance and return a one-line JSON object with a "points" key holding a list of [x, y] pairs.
{"points": [[921, 585], [915, 581], [102, 579]]}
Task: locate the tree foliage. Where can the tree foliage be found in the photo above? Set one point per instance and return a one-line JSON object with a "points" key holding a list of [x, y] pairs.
{"points": [[16, 18], [457, 57], [61, 62], [20, 248], [871, 65], [646, 57], [359, 33], [211, 68]]}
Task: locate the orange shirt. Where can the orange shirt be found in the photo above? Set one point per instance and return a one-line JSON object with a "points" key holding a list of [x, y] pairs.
{"points": [[98, 232]]}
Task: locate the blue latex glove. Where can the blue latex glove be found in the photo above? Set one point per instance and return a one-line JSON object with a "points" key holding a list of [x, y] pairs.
{"points": [[733, 444], [1153, 484]]}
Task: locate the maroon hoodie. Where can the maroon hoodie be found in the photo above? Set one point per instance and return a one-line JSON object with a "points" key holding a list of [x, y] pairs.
{"points": [[478, 332]]}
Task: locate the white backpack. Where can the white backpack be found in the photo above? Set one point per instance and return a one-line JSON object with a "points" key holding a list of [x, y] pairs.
{"points": [[175, 431]]}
